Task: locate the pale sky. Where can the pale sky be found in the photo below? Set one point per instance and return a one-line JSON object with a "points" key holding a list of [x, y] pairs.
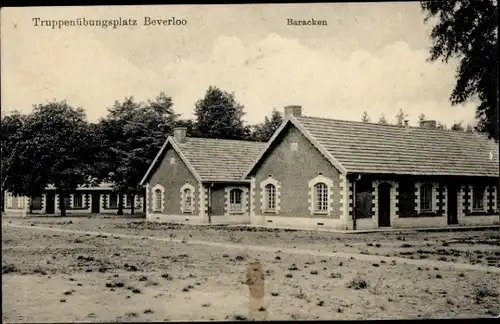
{"points": [[370, 56]]}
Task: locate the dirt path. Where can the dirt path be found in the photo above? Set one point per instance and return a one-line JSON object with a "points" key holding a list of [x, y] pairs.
{"points": [[246, 247]]}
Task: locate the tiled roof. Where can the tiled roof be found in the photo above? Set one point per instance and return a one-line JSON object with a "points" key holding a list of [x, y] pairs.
{"points": [[215, 159], [374, 148]]}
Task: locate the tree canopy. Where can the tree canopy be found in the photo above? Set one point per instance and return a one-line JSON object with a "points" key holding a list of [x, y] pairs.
{"points": [[468, 31]]}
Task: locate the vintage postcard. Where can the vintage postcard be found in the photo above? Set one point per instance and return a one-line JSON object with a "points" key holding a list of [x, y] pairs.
{"points": [[250, 162]]}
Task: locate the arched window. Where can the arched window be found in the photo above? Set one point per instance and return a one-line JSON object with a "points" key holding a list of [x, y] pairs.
{"points": [[235, 200], [188, 200], [270, 197], [426, 198], [158, 201], [320, 197]]}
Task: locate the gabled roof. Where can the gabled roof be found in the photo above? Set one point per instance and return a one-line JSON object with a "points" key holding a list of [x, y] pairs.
{"points": [[212, 159], [387, 149]]}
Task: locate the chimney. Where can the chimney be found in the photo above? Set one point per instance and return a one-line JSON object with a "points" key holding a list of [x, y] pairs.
{"points": [[406, 123], [180, 134], [294, 110], [428, 124]]}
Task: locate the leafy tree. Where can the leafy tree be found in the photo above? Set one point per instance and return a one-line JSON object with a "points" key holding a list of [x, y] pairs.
{"points": [[457, 127], [218, 115], [467, 30], [440, 125], [400, 117], [54, 147], [11, 133], [135, 133], [469, 129], [365, 118], [382, 120], [264, 131], [421, 117]]}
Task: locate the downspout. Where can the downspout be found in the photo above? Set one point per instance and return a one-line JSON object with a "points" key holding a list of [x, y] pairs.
{"points": [[354, 201], [209, 207]]}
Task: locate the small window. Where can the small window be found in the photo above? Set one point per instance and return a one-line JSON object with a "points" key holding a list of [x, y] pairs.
{"points": [[294, 146], [426, 198], [478, 198], [320, 197], [235, 200], [113, 201], [270, 199], [188, 200], [158, 200], [77, 201], [36, 203], [172, 160]]}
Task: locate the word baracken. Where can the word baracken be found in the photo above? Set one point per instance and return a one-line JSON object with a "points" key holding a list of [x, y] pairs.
{"points": [[148, 21]]}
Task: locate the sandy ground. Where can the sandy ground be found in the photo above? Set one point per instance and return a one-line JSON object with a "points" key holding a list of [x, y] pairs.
{"points": [[54, 276]]}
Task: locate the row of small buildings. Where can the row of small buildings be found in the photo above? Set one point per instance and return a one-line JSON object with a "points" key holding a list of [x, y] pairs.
{"points": [[101, 199], [319, 173]]}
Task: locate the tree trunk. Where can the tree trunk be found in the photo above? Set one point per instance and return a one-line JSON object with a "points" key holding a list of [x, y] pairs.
{"points": [[132, 203], [120, 203], [62, 205]]}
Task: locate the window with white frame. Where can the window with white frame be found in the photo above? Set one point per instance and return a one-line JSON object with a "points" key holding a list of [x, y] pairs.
{"points": [[478, 198], [426, 197], [9, 200], [320, 197], [187, 200], [77, 200], [235, 200], [270, 197], [157, 200]]}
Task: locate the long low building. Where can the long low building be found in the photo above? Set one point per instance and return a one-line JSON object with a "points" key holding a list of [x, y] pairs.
{"points": [[100, 199], [325, 173]]}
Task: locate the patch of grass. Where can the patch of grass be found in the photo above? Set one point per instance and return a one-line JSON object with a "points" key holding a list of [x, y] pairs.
{"points": [[148, 311], [293, 267], [314, 272], [240, 258], [288, 275], [357, 283], [438, 276], [8, 268], [239, 317], [62, 300], [405, 245], [143, 278], [131, 314], [69, 292], [320, 303], [482, 292], [205, 305], [275, 294], [335, 275], [167, 276], [277, 257], [114, 284]]}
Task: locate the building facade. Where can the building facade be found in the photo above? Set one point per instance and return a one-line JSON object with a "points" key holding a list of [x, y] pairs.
{"points": [[325, 173]]}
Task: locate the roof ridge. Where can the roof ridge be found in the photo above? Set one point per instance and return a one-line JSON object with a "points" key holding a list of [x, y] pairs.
{"points": [[224, 140], [371, 123]]}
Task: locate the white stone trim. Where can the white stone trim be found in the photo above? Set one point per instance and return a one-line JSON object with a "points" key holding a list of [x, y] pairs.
{"points": [[252, 196], [189, 186], [227, 201], [207, 199], [494, 194], [445, 200], [312, 203], [201, 200], [277, 185], [343, 195], [460, 202], [153, 194], [375, 200]]}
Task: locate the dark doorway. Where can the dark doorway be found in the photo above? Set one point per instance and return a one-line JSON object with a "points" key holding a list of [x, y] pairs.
{"points": [[96, 199], [384, 205], [452, 205], [50, 202]]}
